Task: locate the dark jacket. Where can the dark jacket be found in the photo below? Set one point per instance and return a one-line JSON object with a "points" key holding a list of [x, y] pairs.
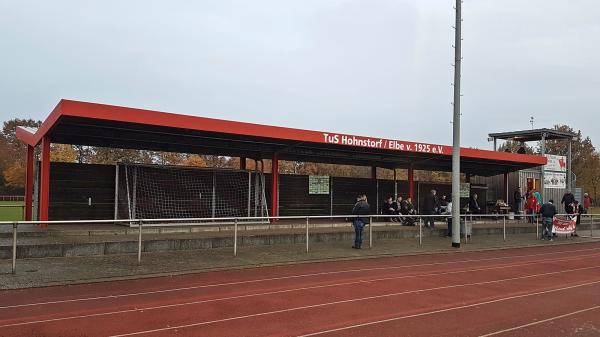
{"points": [[474, 206], [388, 208], [362, 208], [518, 196], [431, 203], [548, 210], [568, 199], [580, 210]]}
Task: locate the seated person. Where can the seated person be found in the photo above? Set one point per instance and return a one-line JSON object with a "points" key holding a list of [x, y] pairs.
{"points": [[388, 208], [398, 205], [407, 207]]}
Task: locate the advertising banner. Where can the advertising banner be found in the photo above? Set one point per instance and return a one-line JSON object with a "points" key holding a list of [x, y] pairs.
{"points": [[556, 163], [555, 180], [564, 226]]}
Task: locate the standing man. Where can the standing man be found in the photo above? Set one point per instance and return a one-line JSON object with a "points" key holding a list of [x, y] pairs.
{"points": [[474, 205], [518, 200], [568, 200], [548, 212], [431, 206], [360, 208]]}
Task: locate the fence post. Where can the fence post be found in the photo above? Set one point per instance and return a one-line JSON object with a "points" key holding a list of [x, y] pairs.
{"points": [[467, 222], [235, 230], [537, 227], [14, 248], [504, 227], [420, 231], [307, 234], [371, 232], [591, 225], [139, 241]]}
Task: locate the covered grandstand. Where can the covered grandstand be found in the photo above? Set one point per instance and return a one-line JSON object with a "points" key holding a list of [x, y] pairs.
{"points": [[64, 190]]}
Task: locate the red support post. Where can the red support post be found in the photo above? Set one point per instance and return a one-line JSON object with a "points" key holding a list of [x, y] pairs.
{"points": [[467, 178], [374, 172], [505, 187], [29, 184], [45, 181], [275, 185], [411, 183]]}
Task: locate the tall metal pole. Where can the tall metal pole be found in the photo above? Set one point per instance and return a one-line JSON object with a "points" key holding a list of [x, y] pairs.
{"points": [[456, 130], [542, 187], [570, 173]]}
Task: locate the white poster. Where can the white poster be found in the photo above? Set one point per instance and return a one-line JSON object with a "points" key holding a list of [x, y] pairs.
{"points": [[556, 163], [555, 180]]}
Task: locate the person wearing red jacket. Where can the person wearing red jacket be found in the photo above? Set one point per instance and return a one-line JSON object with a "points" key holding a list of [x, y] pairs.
{"points": [[532, 206], [587, 202]]}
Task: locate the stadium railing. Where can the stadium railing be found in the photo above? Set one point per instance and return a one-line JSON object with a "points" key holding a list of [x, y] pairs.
{"points": [[466, 225]]}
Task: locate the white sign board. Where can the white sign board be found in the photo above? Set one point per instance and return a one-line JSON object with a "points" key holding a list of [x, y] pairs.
{"points": [[555, 180], [465, 190], [318, 184], [556, 163]]}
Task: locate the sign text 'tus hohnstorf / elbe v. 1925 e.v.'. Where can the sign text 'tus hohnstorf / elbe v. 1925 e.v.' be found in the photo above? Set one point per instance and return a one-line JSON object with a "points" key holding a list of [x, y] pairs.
{"points": [[380, 143]]}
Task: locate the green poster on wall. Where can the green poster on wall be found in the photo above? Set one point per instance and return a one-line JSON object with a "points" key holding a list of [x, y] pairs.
{"points": [[318, 184]]}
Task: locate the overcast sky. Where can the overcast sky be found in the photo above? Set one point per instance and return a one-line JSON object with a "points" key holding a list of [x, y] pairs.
{"points": [[369, 67]]}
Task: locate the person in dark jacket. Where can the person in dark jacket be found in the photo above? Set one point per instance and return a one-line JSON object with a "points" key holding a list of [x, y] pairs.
{"points": [[474, 204], [360, 208], [568, 200], [388, 208], [579, 211], [518, 200], [431, 206], [548, 211]]}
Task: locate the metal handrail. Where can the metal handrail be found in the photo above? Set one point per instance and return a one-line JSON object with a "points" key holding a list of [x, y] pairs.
{"points": [[140, 223]]}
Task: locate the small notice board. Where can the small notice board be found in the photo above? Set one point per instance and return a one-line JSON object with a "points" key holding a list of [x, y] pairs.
{"points": [[318, 184], [465, 190]]}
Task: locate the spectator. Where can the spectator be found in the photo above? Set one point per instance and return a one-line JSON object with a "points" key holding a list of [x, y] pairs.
{"points": [[518, 199], [474, 205], [388, 208], [587, 202], [568, 200], [443, 204], [531, 207], [579, 210], [538, 196], [360, 208], [548, 212], [432, 205], [407, 208], [448, 213], [398, 205]]}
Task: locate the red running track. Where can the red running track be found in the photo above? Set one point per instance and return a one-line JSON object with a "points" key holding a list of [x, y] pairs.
{"points": [[539, 291]]}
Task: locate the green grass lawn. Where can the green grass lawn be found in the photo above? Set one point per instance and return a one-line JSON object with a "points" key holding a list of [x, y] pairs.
{"points": [[11, 213]]}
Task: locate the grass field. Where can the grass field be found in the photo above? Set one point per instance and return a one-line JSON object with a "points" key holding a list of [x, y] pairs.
{"points": [[13, 213]]}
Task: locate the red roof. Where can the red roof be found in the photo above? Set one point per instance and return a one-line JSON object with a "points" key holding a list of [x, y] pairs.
{"points": [[117, 114]]}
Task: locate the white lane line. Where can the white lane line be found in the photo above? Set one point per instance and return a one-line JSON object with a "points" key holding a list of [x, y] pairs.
{"points": [[282, 292], [443, 310], [320, 305], [540, 322], [214, 285]]}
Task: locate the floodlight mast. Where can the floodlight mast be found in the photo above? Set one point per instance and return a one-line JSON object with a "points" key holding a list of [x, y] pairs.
{"points": [[456, 130]]}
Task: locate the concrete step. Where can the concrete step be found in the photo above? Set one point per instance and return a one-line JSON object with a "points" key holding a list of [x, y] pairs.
{"points": [[40, 247]]}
